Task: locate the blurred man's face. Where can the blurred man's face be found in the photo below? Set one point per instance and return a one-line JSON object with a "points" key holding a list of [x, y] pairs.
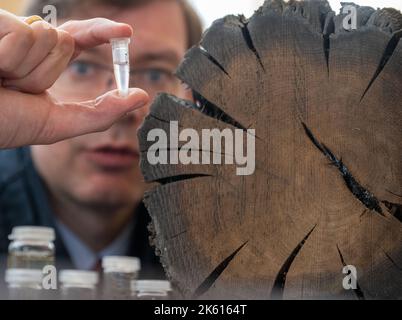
{"points": [[102, 169]]}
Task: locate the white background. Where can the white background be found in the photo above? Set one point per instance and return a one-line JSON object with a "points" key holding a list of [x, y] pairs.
{"points": [[211, 10]]}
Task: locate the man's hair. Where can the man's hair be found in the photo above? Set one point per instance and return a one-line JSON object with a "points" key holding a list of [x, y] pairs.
{"points": [[67, 8]]}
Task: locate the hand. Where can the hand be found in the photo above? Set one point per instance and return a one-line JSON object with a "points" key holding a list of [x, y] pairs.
{"points": [[32, 57]]}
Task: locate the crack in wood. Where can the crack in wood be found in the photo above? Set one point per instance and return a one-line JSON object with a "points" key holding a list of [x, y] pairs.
{"points": [[361, 193], [393, 193], [363, 213], [213, 60], [358, 291], [182, 177], [392, 261], [208, 108], [328, 28], [249, 40], [178, 234], [388, 52], [327, 46], [280, 280], [394, 208], [151, 115], [214, 275]]}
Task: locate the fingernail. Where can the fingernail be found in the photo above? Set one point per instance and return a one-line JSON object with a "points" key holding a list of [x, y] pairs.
{"points": [[125, 95], [120, 94], [134, 90]]}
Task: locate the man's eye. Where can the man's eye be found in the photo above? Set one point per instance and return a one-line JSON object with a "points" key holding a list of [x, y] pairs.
{"points": [[156, 76], [82, 69]]}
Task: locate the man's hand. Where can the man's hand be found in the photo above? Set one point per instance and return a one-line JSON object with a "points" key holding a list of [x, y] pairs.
{"points": [[32, 57]]}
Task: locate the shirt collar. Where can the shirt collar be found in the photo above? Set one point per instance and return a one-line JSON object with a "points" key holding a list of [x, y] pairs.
{"points": [[82, 256]]}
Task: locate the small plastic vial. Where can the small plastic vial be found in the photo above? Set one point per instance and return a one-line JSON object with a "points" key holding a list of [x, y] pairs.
{"points": [[24, 284], [78, 284], [121, 63], [118, 272], [31, 248], [151, 290]]}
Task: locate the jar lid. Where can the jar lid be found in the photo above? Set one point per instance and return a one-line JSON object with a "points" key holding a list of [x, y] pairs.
{"points": [[32, 233], [121, 264], [78, 277], [24, 276], [151, 286]]}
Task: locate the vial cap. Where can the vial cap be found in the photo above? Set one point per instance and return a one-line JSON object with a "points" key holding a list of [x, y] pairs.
{"points": [[78, 277], [121, 264], [150, 286], [120, 42], [24, 276], [32, 233], [120, 50]]}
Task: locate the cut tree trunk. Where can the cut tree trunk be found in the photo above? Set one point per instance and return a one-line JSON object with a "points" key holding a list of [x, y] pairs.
{"points": [[326, 105]]}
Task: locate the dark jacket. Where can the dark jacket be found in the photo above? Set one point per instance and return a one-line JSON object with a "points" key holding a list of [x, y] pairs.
{"points": [[23, 201]]}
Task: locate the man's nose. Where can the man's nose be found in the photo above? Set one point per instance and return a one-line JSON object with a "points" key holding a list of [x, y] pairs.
{"points": [[128, 120], [127, 126]]}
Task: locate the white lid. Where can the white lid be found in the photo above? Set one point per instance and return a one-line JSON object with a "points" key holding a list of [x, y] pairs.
{"points": [[120, 42], [78, 277], [24, 276], [150, 285], [32, 233], [121, 264]]}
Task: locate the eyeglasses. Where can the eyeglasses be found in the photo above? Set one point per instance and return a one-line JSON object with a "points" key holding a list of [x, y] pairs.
{"points": [[87, 79]]}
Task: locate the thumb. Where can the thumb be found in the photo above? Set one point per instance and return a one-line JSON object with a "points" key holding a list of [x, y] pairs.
{"points": [[68, 120]]}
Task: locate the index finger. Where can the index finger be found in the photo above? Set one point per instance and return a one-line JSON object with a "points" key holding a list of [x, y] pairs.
{"points": [[94, 32]]}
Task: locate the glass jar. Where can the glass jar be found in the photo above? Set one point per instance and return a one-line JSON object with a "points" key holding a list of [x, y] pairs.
{"points": [[24, 284], [78, 284], [118, 272], [151, 290], [31, 247]]}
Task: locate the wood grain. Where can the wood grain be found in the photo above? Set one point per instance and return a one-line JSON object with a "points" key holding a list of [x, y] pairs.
{"points": [[326, 107]]}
